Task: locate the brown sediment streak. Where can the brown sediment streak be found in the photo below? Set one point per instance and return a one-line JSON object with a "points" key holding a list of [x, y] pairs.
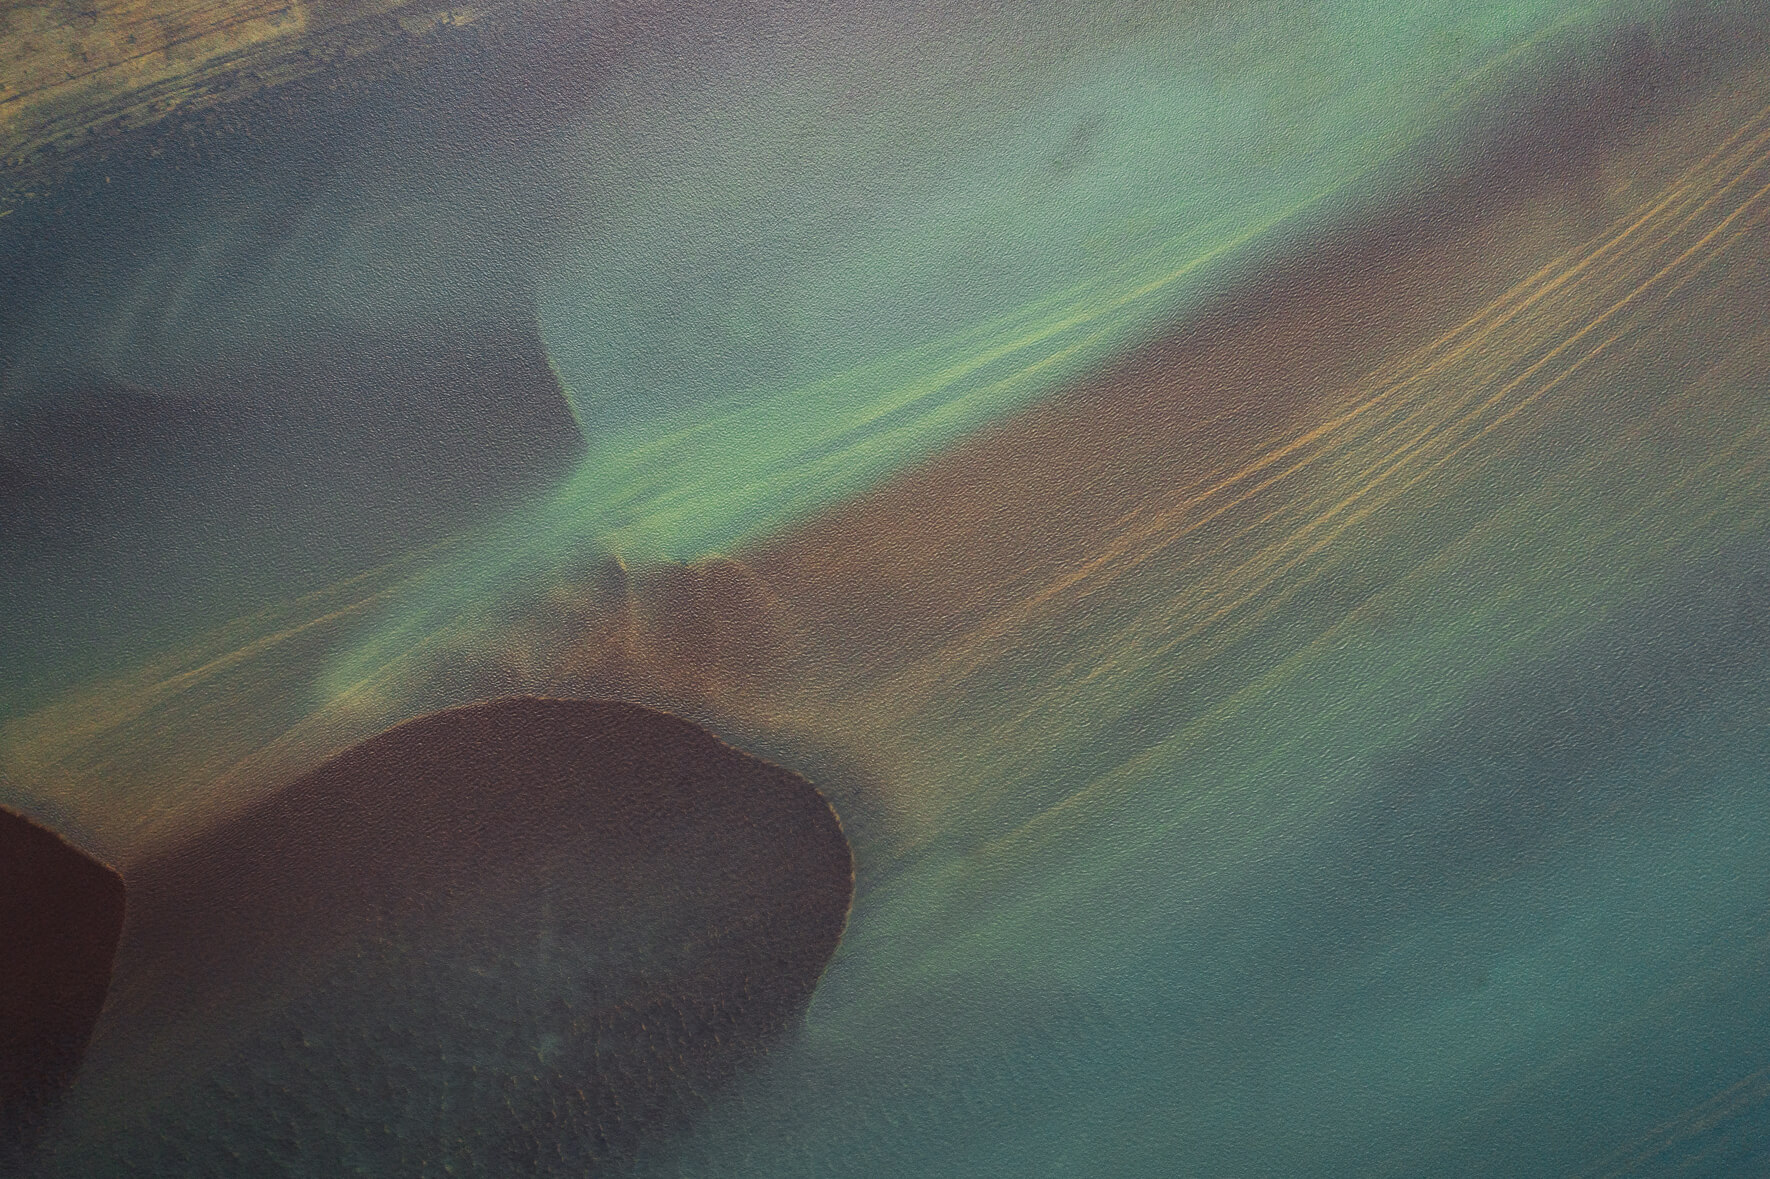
{"points": [[1411, 448], [1020, 596], [1404, 454], [1131, 548]]}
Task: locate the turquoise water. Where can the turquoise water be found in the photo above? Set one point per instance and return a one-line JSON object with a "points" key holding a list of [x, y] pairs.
{"points": [[808, 254], [1531, 937], [1477, 887]]}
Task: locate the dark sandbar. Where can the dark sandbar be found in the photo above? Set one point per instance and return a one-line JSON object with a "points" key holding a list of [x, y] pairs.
{"points": [[521, 937], [60, 914]]}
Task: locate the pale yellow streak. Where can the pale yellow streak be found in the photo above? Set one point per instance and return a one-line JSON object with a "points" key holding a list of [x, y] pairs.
{"points": [[950, 662], [77, 721], [1268, 577], [1399, 458], [1046, 824]]}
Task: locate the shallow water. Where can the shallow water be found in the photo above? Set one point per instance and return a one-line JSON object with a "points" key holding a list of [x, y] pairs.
{"points": [[1255, 518]]}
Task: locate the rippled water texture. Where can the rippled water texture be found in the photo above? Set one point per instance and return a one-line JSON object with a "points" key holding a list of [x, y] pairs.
{"points": [[1255, 516]]}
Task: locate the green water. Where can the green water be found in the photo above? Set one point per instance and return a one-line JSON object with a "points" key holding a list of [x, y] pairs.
{"points": [[819, 255], [1471, 882], [808, 269]]}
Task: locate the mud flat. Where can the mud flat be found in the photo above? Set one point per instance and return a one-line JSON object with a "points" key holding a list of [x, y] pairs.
{"points": [[516, 937]]}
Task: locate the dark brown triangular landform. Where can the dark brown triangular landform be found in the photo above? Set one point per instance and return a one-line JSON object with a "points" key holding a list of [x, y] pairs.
{"points": [[519, 937], [60, 914]]}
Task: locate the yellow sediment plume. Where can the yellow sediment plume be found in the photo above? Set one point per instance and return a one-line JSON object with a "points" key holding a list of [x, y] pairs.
{"points": [[137, 757]]}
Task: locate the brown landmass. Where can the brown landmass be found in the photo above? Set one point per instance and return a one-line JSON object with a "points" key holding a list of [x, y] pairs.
{"points": [[74, 69], [565, 921], [60, 914]]}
